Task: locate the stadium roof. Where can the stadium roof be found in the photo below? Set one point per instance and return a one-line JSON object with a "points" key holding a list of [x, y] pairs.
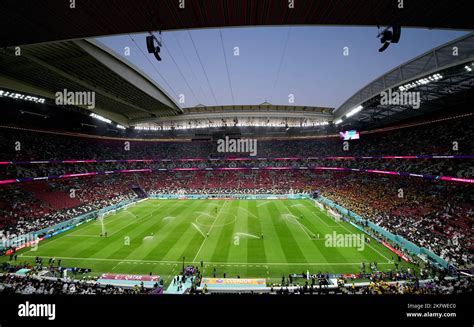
{"points": [[264, 107], [122, 91], [264, 110], [454, 61], [26, 21]]}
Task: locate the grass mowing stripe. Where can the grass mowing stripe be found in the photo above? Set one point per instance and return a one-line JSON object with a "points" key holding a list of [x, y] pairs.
{"points": [[255, 248], [284, 249], [289, 243], [304, 229], [273, 246], [189, 239], [329, 254], [123, 243], [373, 248], [223, 242], [167, 238], [209, 232], [47, 242], [363, 254], [314, 250], [239, 236], [198, 229], [315, 210]]}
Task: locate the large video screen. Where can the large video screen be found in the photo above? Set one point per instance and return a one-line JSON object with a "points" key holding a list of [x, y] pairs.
{"points": [[350, 135]]}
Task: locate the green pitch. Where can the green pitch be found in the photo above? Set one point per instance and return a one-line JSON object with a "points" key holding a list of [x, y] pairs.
{"points": [[155, 235]]}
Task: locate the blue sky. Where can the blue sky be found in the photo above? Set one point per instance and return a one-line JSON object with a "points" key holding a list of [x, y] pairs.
{"points": [[312, 68]]}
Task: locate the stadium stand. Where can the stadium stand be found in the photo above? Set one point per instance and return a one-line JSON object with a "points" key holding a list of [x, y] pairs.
{"points": [[432, 139], [427, 216]]}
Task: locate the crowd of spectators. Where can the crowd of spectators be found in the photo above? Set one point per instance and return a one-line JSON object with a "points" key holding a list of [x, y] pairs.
{"points": [[449, 137], [19, 216], [446, 286], [26, 285], [432, 214], [439, 167]]}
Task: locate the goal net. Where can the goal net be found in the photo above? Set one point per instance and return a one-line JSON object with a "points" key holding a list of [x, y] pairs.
{"points": [[105, 214]]}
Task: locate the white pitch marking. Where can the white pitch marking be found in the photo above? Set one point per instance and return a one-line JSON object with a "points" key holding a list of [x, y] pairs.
{"points": [[263, 203], [381, 254], [210, 229], [122, 261], [200, 231]]}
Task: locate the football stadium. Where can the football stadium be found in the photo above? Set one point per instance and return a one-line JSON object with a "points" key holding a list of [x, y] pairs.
{"points": [[236, 147]]}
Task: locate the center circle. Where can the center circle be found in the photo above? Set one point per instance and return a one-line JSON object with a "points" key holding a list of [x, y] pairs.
{"points": [[207, 221]]}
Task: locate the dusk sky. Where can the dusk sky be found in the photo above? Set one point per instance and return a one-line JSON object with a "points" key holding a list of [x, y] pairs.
{"points": [[312, 67]]}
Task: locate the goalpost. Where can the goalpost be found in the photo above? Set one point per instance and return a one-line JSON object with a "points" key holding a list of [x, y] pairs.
{"points": [[100, 218], [102, 215], [318, 204], [330, 212], [334, 214]]}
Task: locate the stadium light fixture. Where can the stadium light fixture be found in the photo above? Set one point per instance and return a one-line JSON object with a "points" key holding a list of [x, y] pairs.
{"points": [[422, 81], [241, 122], [99, 117], [121, 127], [21, 96], [468, 68], [337, 122], [354, 111]]}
